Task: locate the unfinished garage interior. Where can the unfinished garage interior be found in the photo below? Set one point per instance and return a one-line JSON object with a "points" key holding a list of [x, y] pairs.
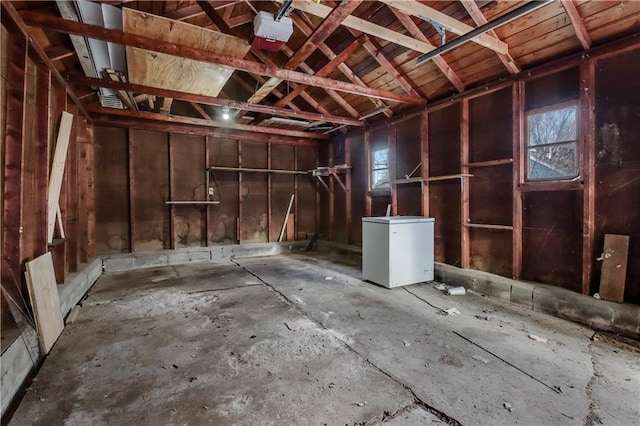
{"points": [[320, 212]]}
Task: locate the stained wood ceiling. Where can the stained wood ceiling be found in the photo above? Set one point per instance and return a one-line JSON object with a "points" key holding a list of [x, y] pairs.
{"points": [[362, 56]]}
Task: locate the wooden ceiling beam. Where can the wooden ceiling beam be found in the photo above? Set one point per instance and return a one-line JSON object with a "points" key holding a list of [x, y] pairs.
{"points": [[108, 120], [324, 71], [70, 27], [271, 84], [194, 10], [439, 61], [200, 111], [478, 17], [415, 8], [57, 53], [152, 116], [375, 50], [578, 25], [364, 26], [319, 35], [9, 11], [332, 93], [208, 100], [329, 53]]}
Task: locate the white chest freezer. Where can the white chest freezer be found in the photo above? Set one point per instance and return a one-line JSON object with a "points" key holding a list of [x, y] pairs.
{"points": [[397, 250]]}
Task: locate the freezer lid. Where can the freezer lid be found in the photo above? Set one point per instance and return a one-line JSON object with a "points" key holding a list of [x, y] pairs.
{"points": [[398, 219]]}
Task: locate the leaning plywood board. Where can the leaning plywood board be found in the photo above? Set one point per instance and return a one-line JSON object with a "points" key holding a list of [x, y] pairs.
{"points": [[43, 292], [57, 171], [172, 72], [614, 267]]}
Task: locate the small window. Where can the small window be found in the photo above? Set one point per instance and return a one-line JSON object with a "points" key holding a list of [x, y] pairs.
{"points": [[380, 169], [552, 148]]}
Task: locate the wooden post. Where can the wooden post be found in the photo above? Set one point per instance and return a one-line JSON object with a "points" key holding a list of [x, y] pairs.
{"points": [[332, 201], [268, 193], [206, 190], [172, 211], [295, 193], [71, 226], [367, 153], [347, 182], [318, 189], [517, 106], [239, 224], [587, 132], [13, 146], [42, 143], [424, 160], [392, 168], [464, 185], [91, 206], [83, 190], [132, 196]]}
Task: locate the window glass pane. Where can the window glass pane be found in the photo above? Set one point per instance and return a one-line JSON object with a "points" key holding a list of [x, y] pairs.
{"points": [[380, 159], [380, 179], [552, 162], [552, 126]]}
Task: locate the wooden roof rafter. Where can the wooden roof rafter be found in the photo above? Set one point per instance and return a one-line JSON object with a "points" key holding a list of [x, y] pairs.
{"points": [[422, 11], [343, 67], [319, 34], [478, 17], [207, 100], [439, 61], [70, 27], [576, 22], [214, 16]]}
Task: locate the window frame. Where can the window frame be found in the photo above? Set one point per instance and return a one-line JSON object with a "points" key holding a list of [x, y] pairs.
{"points": [[379, 190], [526, 147]]}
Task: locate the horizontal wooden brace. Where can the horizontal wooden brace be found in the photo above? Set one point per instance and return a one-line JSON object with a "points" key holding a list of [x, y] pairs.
{"points": [[53, 23], [201, 122], [210, 100]]}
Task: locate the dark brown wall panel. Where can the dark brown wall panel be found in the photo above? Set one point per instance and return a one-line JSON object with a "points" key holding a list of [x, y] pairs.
{"points": [[444, 200], [490, 195], [111, 183], [444, 141], [407, 158], [323, 152], [306, 191], [281, 187], [358, 188], [552, 238], [223, 217], [552, 89], [254, 194], [188, 184], [490, 126], [491, 251], [379, 205], [618, 161], [149, 171]]}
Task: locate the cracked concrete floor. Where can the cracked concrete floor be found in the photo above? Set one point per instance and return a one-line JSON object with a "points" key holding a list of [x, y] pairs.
{"points": [[271, 340]]}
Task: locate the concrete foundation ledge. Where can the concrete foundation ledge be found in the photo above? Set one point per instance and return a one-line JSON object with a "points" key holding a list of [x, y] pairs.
{"points": [[20, 359], [621, 318], [128, 261]]}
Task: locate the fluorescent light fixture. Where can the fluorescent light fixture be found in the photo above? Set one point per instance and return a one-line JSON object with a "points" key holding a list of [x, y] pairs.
{"points": [[290, 121]]}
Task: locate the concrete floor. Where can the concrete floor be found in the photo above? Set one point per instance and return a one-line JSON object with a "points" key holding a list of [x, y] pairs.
{"points": [[271, 340]]}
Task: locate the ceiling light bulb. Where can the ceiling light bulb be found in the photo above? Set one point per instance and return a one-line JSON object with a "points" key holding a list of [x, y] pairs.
{"points": [[225, 112]]}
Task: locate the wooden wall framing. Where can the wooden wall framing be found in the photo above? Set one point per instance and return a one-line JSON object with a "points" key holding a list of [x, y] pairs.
{"points": [[550, 232]]}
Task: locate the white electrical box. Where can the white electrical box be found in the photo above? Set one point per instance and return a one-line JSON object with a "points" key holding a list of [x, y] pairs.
{"points": [[397, 250]]}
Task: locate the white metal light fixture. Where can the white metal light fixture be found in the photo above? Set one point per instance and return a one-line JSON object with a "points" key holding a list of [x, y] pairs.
{"points": [[225, 112]]}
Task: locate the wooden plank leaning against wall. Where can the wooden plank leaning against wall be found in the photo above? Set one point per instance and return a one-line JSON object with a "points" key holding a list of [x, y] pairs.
{"points": [[33, 102]]}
